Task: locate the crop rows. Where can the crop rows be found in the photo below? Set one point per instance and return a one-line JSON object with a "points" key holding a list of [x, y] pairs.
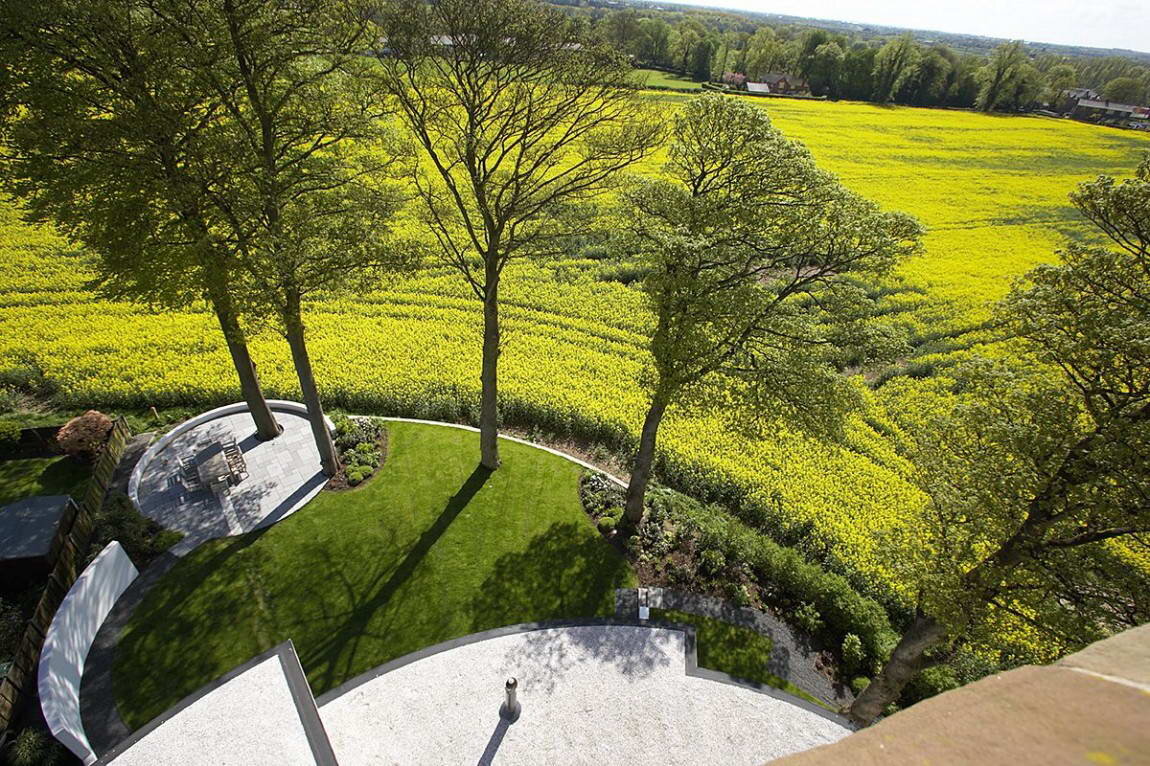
{"points": [[992, 191]]}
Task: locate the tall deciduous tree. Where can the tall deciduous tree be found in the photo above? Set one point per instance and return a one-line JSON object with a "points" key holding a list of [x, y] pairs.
{"points": [[749, 247], [522, 122], [304, 161], [1033, 476], [109, 138], [1126, 90], [1002, 77], [894, 64]]}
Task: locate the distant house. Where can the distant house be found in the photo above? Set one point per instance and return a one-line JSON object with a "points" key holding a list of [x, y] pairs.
{"points": [[1080, 93], [1108, 112], [779, 83]]}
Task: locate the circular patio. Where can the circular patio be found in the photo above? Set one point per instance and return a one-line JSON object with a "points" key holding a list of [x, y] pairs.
{"points": [[589, 694], [271, 479]]}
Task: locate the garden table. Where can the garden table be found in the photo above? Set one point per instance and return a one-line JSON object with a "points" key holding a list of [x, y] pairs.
{"points": [[214, 470]]}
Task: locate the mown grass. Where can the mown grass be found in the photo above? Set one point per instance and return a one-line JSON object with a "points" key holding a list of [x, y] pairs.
{"points": [[733, 650], [430, 549], [654, 78], [41, 476]]}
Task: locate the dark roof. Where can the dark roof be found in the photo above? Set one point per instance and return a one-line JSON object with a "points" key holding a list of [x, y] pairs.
{"points": [[28, 526], [1112, 105]]}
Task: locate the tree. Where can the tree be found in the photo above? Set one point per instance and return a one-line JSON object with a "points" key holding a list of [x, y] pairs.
{"points": [[749, 247], [522, 125], [825, 69], [1059, 79], [857, 72], [1125, 90], [894, 64], [302, 158], [765, 54], [1000, 78], [654, 41], [1033, 475], [110, 141]]}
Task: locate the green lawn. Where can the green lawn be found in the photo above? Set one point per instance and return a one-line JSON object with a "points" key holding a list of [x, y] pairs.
{"points": [[430, 549], [40, 476], [655, 78], [739, 652]]}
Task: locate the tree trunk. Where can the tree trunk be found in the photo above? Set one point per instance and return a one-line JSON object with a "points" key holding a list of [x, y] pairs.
{"points": [[266, 425], [644, 457], [906, 662], [293, 325], [489, 378]]}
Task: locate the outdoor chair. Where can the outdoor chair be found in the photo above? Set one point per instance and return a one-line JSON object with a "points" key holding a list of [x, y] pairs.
{"points": [[189, 477]]}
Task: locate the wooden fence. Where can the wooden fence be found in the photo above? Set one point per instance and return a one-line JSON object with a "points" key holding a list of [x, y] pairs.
{"points": [[67, 555]]}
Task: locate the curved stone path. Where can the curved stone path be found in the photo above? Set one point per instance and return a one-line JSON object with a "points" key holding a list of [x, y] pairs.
{"points": [[793, 656]]}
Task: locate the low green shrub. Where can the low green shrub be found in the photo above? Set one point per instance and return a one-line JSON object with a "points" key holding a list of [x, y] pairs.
{"points": [[853, 654], [859, 684], [9, 434], [33, 747], [606, 524], [711, 562], [362, 443], [142, 537], [11, 629], [807, 617], [739, 594]]}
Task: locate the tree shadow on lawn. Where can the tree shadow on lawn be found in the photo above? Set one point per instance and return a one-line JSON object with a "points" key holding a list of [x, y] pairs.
{"points": [[174, 648], [566, 572], [334, 659]]}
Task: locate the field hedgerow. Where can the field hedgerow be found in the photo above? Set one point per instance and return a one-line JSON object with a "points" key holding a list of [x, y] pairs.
{"points": [[991, 190]]}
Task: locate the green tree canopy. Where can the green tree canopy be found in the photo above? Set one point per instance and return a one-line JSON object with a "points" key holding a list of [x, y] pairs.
{"points": [[1035, 475], [750, 247]]}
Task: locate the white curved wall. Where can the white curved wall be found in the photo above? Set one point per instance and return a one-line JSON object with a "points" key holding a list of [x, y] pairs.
{"points": [[69, 638]]}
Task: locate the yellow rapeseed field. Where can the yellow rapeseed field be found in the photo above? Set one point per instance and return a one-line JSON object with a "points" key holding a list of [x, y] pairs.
{"points": [[991, 190]]}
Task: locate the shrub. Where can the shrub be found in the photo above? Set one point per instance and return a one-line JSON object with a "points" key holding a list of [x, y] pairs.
{"points": [[739, 594], [357, 474], [365, 454], [9, 434], [712, 561], [33, 747], [807, 617], [143, 538], [83, 437], [606, 524], [350, 432], [11, 629], [852, 653], [859, 684]]}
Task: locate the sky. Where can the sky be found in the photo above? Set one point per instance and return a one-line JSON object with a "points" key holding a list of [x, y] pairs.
{"points": [[1095, 23]]}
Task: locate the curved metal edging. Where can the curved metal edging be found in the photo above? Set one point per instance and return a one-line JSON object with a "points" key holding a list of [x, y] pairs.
{"points": [[517, 440]]}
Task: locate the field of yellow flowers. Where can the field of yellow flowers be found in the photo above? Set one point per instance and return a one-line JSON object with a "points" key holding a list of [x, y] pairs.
{"points": [[992, 191]]}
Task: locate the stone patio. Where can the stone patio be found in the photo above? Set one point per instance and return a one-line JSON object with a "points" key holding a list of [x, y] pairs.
{"points": [[283, 475], [607, 694]]}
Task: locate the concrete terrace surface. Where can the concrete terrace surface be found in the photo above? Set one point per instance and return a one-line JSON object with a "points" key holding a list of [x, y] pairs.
{"points": [[589, 695], [283, 475], [250, 720]]}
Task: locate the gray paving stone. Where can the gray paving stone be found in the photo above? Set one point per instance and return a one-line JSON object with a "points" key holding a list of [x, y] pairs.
{"points": [[283, 475]]}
